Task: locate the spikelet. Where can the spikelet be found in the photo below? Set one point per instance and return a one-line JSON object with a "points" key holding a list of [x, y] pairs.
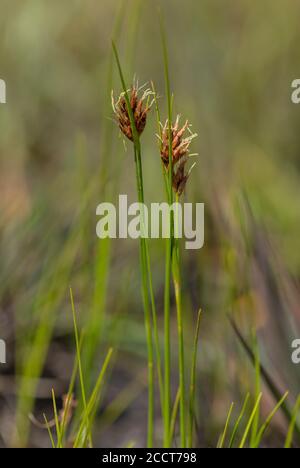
{"points": [[140, 106], [180, 152]]}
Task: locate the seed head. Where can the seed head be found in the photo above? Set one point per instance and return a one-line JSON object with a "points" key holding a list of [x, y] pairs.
{"points": [[180, 152], [140, 106]]}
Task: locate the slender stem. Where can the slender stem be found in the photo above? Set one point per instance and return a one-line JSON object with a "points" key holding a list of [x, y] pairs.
{"points": [[174, 415], [193, 384], [150, 282], [155, 327], [178, 296], [150, 349], [167, 386], [166, 393], [148, 327], [167, 333], [147, 276], [143, 256], [169, 251], [167, 176]]}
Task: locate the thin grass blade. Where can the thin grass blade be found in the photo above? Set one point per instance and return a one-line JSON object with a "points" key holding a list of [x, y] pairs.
{"points": [[265, 375], [49, 431], [268, 420], [249, 424], [223, 437], [290, 434], [238, 422], [91, 403]]}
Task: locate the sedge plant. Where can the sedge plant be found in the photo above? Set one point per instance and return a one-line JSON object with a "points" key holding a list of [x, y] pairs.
{"points": [[174, 151], [131, 113]]}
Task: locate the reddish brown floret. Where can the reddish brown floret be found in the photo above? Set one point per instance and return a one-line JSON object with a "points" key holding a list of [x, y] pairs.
{"points": [[139, 108], [180, 153]]}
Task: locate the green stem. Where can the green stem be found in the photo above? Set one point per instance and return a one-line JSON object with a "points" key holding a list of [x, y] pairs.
{"points": [[144, 269], [147, 280], [143, 256], [169, 251], [155, 327], [167, 386], [167, 321], [178, 296], [150, 350], [193, 384]]}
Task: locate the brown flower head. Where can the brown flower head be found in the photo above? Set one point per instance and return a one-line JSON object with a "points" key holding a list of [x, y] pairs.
{"points": [[180, 152], [140, 107]]}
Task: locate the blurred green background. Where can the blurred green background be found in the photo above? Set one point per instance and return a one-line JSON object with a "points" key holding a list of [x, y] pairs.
{"points": [[232, 64]]}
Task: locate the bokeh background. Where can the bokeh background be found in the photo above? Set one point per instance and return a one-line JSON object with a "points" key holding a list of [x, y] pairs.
{"points": [[232, 64]]}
